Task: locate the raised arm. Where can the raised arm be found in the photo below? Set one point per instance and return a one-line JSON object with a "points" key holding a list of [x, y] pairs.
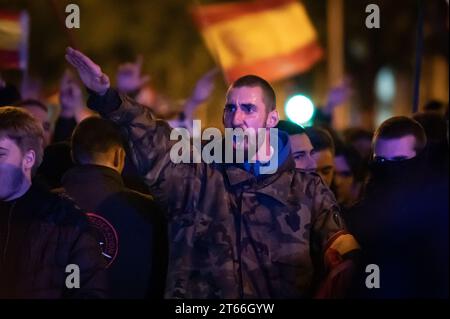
{"points": [[90, 73], [202, 91], [148, 138]]}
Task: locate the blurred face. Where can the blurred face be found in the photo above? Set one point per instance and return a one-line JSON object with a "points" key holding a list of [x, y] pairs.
{"points": [[245, 108], [394, 149], [363, 146], [15, 170], [70, 95], [42, 117], [325, 165], [301, 149], [148, 96], [343, 180]]}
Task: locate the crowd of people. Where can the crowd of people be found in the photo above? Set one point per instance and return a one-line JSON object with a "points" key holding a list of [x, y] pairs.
{"points": [[96, 188]]}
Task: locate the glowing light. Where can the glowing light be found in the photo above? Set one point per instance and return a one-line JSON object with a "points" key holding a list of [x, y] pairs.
{"points": [[299, 109], [385, 85]]}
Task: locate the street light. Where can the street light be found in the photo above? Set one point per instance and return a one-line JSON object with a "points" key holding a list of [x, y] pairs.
{"points": [[299, 109]]}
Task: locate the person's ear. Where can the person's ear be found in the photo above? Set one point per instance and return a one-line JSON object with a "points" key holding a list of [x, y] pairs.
{"points": [[272, 119], [122, 156], [72, 156], [28, 160], [119, 159]]}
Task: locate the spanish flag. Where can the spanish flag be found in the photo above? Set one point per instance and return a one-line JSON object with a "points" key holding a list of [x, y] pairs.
{"points": [[271, 38], [13, 40]]}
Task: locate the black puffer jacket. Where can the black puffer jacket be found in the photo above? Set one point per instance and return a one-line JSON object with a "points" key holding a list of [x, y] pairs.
{"points": [[40, 235]]}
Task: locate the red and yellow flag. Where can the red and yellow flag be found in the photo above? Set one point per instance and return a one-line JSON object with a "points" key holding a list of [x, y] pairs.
{"points": [[274, 39], [13, 40]]}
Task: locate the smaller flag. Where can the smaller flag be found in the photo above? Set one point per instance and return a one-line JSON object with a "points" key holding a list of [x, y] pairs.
{"points": [[14, 30]]}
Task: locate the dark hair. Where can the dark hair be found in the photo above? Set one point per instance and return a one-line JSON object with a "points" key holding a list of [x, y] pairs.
{"points": [[354, 134], [9, 95], [32, 102], [290, 128], [19, 126], [94, 136], [320, 139], [400, 126], [433, 105], [57, 161], [256, 81], [354, 160]]}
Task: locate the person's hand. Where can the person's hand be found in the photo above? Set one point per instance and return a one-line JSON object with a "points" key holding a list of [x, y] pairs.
{"points": [[205, 86], [202, 91], [338, 95], [90, 73], [129, 77]]}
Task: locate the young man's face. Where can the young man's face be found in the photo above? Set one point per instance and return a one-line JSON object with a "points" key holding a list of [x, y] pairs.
{"points": [[301, 149], [325, 164], [245, 108], [343, 180], [363, 146], [395, 149], [14, 169], [42, 117]]}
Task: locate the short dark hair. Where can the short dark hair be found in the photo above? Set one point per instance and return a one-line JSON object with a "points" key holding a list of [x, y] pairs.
{"points": [[400, 126], [290, 128], [256, 81], [433, 105], [94, 136], [19, 126], [32, 102], [354, 134], [320, 139]]}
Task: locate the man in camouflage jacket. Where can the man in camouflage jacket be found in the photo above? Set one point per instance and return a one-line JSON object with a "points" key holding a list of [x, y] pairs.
{"points": [[233, 233]]}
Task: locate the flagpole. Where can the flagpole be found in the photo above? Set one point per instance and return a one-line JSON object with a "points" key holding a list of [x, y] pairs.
{"points": [[335, 56], [419, 51], [23, 49]]}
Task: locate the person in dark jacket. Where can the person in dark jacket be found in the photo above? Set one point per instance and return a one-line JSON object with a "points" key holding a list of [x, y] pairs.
{"points": [[402, 220], [46, 249], [436, 128], [128, 224]]}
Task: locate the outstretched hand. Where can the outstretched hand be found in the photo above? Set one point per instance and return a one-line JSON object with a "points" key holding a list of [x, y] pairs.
{"points": [[205, 85], [202, 91], [338, 95], [90, 73]]}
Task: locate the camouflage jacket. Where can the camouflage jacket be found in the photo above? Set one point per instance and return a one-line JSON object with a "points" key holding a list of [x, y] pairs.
{"points": [[231, 234]]}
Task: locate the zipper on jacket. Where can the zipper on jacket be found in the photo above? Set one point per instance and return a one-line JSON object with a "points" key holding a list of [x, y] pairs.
{"points": [[238, 224], [8, 232]]}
